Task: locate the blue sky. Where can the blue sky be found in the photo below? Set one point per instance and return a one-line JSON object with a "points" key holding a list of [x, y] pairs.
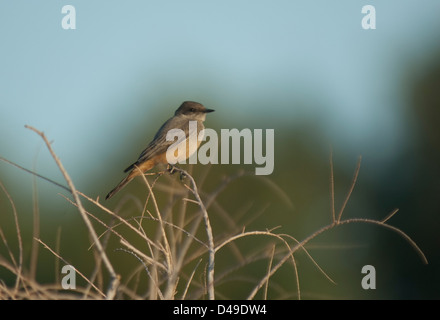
{"points": [[286, 61]]}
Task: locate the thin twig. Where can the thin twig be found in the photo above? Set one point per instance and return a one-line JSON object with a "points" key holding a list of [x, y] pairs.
{"points": [[67, 263], [331, 226], [20, 242], [269, 274], [266, 286], [211, 250], [167, 251], [57, 250], [148, 198], [356, 173], [36, 222], [190, 279], [388, 217], [172, 276], [122, 239], [143, 263], [311, 258], [123, 221], [397, 230], [114, 281], [35, 174], [332, 188]]}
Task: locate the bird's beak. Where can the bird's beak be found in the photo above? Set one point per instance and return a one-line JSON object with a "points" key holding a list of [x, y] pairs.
{"points": [[209, 110]]}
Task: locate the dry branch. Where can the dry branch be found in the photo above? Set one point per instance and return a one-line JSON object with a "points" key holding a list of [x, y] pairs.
{"points": [[111, 292]]}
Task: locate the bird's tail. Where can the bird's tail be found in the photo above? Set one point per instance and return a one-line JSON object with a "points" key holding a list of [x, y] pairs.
{"points": [[144, 166], [119, 186]]}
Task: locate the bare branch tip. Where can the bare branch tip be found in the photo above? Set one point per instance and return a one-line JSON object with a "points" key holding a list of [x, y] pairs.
{"points": [[390, 215]]}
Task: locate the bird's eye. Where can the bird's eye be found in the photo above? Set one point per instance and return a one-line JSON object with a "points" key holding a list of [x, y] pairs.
{"points": [[192, 110]]}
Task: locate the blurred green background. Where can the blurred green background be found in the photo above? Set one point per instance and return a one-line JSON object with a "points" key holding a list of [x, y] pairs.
{"points": [[304, 68]]}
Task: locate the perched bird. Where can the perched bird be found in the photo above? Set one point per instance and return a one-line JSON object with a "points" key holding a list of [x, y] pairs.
{"points": [[156, 151]]}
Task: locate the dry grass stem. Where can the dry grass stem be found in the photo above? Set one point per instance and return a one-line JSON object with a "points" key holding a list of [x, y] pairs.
{"points": [[67, 263], [115, 279]]}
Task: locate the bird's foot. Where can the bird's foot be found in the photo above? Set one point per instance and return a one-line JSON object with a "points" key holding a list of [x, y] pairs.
{"points": [[182, 176], [172, 169]]}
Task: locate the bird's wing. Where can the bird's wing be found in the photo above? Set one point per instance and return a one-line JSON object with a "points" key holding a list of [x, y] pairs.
{"points": [[160, 144]]}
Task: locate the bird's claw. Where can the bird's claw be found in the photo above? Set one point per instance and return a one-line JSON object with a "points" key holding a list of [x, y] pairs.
{"points": [[172, 169]]}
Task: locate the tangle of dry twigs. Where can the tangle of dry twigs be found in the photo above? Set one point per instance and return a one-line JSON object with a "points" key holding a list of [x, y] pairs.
{"points": [[169, 252]]}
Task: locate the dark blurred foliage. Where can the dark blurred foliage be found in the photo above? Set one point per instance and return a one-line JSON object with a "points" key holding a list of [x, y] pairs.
{"points": [[413, 184]]}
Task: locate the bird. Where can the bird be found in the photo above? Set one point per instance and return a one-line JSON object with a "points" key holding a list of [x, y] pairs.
{"points": [[156, 151]]}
